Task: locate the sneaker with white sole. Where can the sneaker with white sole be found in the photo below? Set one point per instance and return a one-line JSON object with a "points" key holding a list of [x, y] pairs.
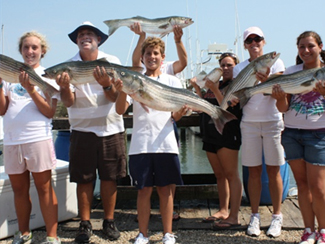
{"points": [[276, 226], [169, 239], [140, 239], [52, 240], [321, 237], [254, 225], [308, 237], [22, 239]]}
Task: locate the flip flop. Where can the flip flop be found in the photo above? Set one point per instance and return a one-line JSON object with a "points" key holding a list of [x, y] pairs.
{"points": [[223, 225], [210, 219]]}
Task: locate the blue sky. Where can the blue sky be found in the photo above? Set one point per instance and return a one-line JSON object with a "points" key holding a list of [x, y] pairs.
{"points": [[214, 22]]}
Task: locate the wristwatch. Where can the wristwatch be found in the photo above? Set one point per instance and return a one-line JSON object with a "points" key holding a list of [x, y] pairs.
{"points": [[107, 88]]}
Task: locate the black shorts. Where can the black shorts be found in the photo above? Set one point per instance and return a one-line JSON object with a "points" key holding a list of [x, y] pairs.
{"points": [[90, 153], [155, 169]]}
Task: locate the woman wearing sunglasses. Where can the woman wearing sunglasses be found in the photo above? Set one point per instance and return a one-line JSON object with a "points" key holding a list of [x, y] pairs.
{"points": [[222, 150], [261, 128]]}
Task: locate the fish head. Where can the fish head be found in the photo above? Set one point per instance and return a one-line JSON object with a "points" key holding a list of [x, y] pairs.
{"points": [[54, 71], [131, 81], [181, 21], [265, 62]]}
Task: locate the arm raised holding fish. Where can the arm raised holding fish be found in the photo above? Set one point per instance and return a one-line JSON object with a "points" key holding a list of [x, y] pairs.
{"points": [[171, 68]]}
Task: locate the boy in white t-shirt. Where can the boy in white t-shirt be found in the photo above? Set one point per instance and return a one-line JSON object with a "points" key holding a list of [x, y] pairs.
{"points": [[153, 150]]}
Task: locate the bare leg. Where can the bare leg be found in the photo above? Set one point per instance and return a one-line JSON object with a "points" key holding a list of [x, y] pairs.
{"points": [[85, 197], [275, 187], [48, 201], [143, 208], [229, 161], [316, 181], [255, 187], [222, 185], [166, 203], [108, 192], [299, 170], [20, 184]]}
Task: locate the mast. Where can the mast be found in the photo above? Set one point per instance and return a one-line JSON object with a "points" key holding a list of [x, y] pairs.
{"points": [[238, 34]]}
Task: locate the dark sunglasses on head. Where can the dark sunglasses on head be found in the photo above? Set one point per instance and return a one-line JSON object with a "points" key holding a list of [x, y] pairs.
{"points": [[257, 39], [232, 55]]}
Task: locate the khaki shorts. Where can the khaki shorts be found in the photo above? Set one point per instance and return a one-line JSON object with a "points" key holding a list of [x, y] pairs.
{"points": [[35, 157], [260, 138], [90, 153]]}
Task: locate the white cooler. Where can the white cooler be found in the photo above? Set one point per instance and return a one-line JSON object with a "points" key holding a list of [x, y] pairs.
{"points": [[65, 192]]}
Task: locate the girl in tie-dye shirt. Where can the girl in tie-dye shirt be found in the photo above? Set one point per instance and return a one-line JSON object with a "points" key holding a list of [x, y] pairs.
{"points": [[304, 137]]}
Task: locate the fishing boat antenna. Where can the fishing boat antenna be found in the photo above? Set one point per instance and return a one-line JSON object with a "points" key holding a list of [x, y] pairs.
{"points": [[238, 35], [131, 45], [2, 31]]}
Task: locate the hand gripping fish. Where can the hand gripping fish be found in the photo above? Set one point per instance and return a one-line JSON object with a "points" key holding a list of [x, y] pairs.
{"points": [[299, 82], [247, 77], [161, 26], [165, 98]]}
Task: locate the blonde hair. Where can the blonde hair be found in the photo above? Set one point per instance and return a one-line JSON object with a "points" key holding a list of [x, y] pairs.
{"points": [[153, 42], [44, 45]]}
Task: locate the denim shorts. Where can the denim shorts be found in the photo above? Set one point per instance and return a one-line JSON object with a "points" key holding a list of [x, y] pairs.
{"points": [[155, 169], [308, 145]]}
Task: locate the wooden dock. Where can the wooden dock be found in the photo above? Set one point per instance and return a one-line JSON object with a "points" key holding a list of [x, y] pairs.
{"points": [[192, 212]]}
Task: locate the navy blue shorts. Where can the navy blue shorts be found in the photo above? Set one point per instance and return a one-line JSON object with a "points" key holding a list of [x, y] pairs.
{"points": [[155, 169], [308, 145]]}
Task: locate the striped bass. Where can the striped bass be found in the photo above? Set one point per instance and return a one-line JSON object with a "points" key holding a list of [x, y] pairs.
{"points": [[247, 76], [161, 26], [214, 75], [299, 82], [161, 97], [10, 70], [80, 72]]}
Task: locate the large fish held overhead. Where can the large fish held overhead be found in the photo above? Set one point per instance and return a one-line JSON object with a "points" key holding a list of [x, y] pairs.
{"points": [[161, 26], [161, 97], [247, 76], [10, 70], [299, 82]]}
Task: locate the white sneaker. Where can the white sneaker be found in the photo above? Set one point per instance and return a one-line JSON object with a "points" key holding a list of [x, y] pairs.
{"points": [[275, 227], [141, 239], [22, 239], [52, 240], [308, 237], [169, 239], [254, 225], [321, 236]]}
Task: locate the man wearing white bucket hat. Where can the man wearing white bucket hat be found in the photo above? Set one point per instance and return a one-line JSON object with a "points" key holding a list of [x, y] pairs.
{"points": [[97, 133]]}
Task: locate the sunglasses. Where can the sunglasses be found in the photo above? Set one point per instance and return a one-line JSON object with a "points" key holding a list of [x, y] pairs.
{"points": [[257, 39], [232, 55]]}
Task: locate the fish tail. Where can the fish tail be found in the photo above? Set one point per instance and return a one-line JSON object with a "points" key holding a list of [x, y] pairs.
{"points": [[113, 25], [222, 118], [243, 95]]}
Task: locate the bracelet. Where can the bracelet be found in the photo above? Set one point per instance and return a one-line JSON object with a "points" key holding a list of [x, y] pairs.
{"points": [[107, 88], [30, 93], [1, 85], [178, 42]]}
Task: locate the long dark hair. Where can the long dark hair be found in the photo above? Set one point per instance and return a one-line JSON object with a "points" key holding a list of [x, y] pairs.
{"points": [[317, 39]]}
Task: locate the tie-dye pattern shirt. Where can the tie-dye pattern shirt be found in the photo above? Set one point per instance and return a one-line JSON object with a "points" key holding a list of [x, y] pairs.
{"points": [[306, 111]]}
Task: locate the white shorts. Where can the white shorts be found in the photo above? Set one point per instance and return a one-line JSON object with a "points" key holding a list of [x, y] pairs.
{"points": [[262, 138], [35, 157]]}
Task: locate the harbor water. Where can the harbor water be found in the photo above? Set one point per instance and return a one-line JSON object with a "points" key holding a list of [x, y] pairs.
{"points": [[193, 159]]}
